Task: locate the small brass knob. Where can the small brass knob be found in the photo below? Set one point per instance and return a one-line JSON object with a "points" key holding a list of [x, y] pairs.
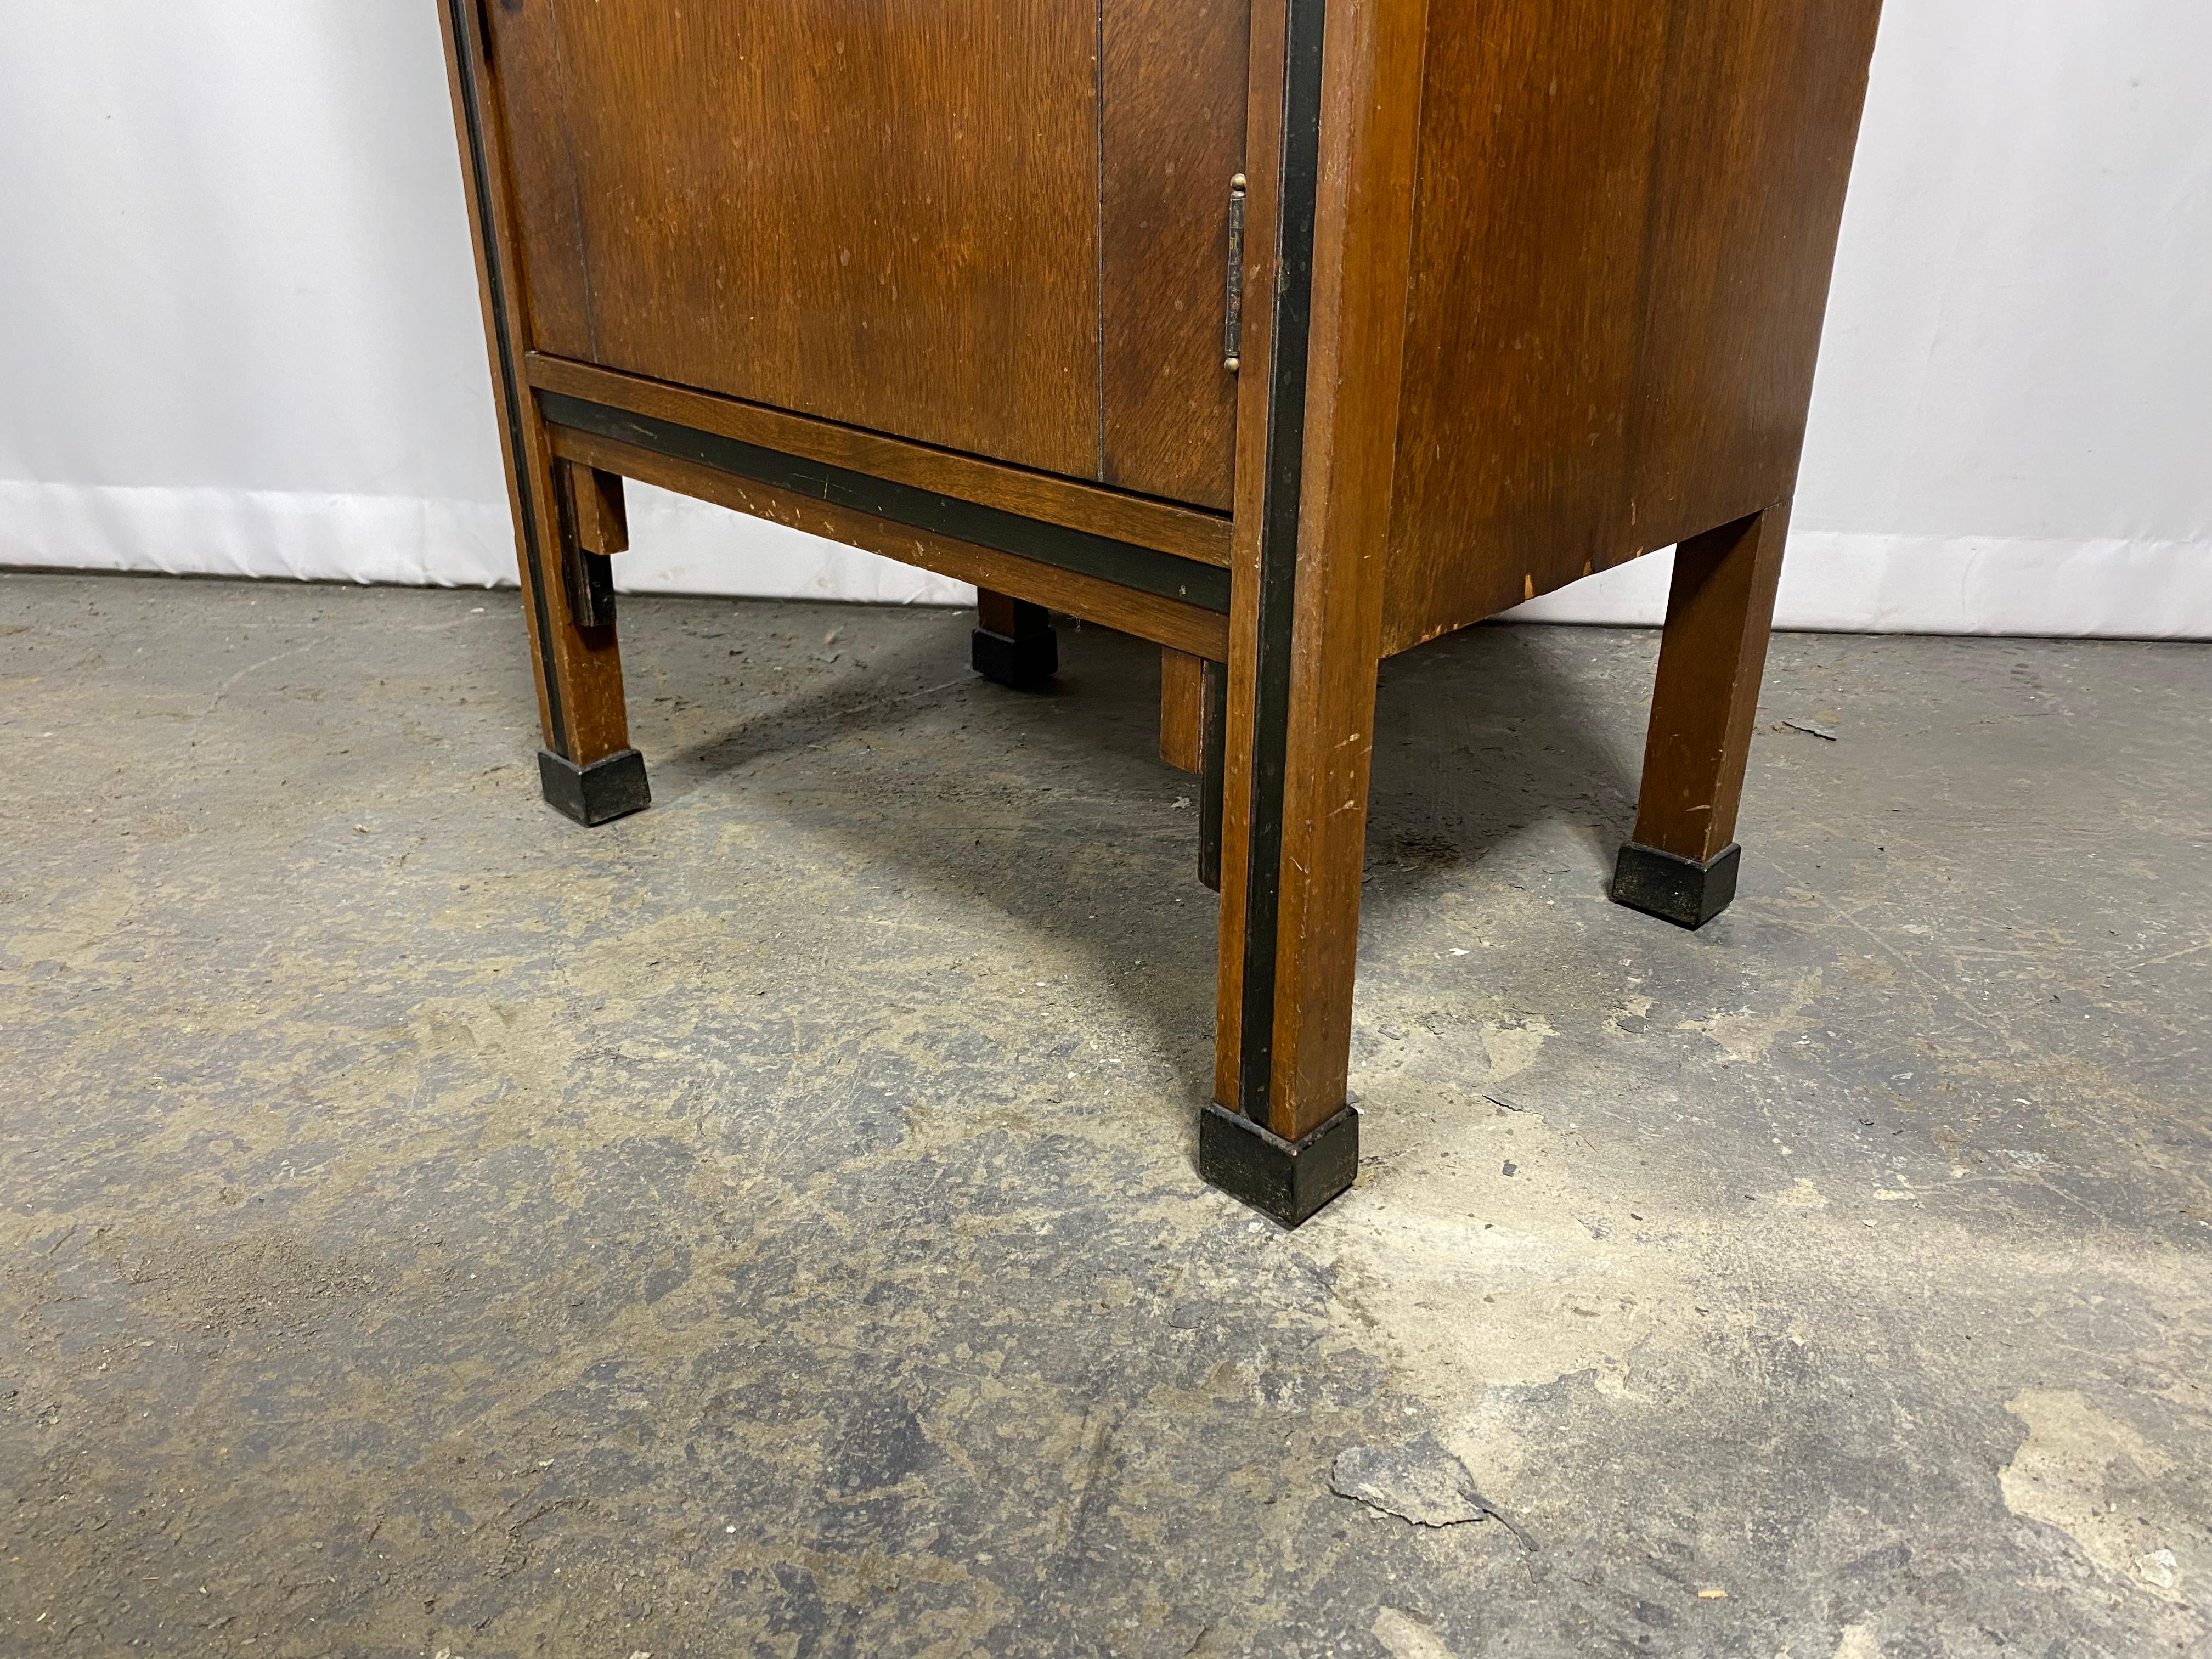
{"points": [[1231, 364], [1238, 183]]}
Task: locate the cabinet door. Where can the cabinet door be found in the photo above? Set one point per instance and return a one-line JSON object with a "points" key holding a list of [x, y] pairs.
{"points": [[1173, 136], [894, 213]]}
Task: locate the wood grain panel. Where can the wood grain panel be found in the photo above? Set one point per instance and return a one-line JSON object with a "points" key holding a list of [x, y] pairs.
{"points": [[1175, 81], [1362, 258], [1183, 710], [1720, 612], [579, 668], [546, 235], [1163, 622], [1628, 220], [1125, 518], [885, 215]]}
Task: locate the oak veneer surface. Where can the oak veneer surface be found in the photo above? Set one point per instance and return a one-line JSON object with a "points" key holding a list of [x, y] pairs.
{"points": [[891, 215], [1183, 710], [1628, 223], [1323, 574], [1182, 627], [1138, 519], [1529, 288], [1175, 83]]}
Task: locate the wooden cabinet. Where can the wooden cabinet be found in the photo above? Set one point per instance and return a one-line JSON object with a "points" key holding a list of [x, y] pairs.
{"points": [[1287, 334], [993, 226]]}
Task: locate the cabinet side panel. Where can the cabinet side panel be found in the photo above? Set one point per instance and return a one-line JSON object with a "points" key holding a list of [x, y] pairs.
{"points": [[1628, 223], [549, 237], [1747, 203], [1175, 81]]}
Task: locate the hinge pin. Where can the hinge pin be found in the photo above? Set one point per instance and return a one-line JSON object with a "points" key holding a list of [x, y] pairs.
{"points": [[1232, 331]]}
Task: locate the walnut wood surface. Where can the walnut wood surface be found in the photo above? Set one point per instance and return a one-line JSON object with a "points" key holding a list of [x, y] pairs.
{"points": [[524, 100], [887, 216], [1183, 710], [1173, 134], [1147, 523], [993, 226], [577, 670], [1720, 612], [1628, 222], [1263, 134], [601, 512], [1363, 245], [1008, 617], [1162, 620], [1570, 268]]}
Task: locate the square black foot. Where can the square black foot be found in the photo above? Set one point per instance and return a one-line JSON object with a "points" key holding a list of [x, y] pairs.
{"points": [[1289, 1181], [609, 788], [1672, 888], [1022, 664]]}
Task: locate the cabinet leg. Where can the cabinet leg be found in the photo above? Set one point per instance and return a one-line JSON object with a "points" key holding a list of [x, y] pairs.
{"points": [[1014, 643], [1682, 863], [1298, 739], [1193, 715], [1183, 719], [1279, 1133], [586, 768], [1330, 249], [594, 527]]}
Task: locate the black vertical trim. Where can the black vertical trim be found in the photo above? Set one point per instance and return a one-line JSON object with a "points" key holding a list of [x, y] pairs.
{"points": [[1170, 575], [1296, 206], [1213, 746], [464, 61]]}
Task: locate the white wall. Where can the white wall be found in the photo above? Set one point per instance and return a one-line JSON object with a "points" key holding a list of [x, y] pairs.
{"points": [[239, 330], [2012, 428]]}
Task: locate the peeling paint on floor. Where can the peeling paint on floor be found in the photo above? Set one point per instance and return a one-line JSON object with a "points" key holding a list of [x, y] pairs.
{"points": [[2100, 1482]]}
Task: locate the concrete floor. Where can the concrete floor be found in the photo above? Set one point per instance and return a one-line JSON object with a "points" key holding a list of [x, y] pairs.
{"points": [[767, 1225]]}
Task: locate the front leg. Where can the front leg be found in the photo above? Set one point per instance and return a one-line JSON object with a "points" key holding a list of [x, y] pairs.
{"points": [[1279, 1134], [586, 768], [1682, 863], [1331, 221], [1194, 712]]}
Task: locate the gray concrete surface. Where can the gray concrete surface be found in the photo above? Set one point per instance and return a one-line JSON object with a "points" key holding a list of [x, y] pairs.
{"points": [[767, 1225]]}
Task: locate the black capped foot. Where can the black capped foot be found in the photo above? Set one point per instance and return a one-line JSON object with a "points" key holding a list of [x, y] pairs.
{"points": [[1672, 888], [1023, 664], [609, 788], [1287, 1180]]}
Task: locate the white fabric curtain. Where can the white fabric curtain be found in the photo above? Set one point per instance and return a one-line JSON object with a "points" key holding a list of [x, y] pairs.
{"points": [[240, 330]]}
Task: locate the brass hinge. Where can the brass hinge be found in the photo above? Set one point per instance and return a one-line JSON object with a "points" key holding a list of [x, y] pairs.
{"points": [[1232, 329]]}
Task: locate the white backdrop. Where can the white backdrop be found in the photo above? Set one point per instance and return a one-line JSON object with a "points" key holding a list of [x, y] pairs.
{"points": [[239, 330]]}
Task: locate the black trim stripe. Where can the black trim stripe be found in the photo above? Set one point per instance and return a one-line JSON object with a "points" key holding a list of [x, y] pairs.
{"points": [[1147, 569], [1214, 755], [510, 379], [1296, 207]]}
